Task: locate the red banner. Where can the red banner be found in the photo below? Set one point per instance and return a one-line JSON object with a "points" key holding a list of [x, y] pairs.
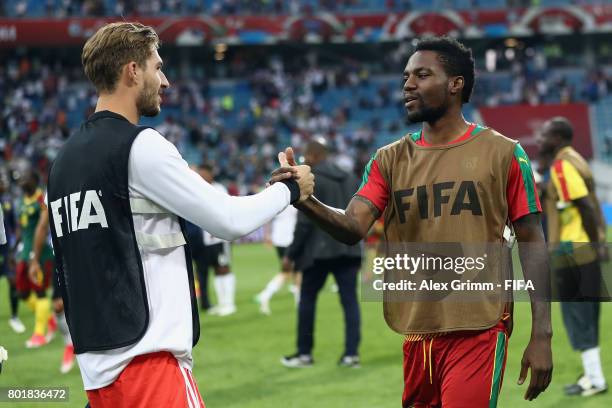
{"points": [[31, 32], [523, 122], [268, 29]]}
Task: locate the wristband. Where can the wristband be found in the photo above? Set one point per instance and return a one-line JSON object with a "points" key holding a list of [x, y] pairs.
{"points": [[294, 189]]}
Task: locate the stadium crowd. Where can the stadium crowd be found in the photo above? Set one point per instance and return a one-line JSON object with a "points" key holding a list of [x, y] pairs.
{"points": [[240, 128]]}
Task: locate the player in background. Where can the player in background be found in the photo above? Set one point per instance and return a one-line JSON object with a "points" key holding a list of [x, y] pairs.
{"points": [[7, 261], [34, 291], [218, 254], [575, 220], [280, 236], [41, 236], [3, 242], [424, 185], [318, 255], [196, 243]]}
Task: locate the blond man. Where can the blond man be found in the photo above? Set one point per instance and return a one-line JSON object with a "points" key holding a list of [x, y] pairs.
{"points": [[118, 196]]}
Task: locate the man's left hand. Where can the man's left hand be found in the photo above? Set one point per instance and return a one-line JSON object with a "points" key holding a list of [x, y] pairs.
{"points": [[538, 357]]}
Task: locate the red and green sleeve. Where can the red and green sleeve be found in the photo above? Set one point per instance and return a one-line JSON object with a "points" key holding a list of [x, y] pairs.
{"points": [[373, 187], [521, 193]]}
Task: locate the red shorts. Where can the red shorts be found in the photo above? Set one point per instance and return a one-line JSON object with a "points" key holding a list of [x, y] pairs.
{"points": [[23, 282], [457, 370], [150, 381]]}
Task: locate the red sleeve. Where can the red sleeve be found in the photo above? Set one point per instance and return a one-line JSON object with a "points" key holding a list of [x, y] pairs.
{"points": [[374, 187], [521, 194]]}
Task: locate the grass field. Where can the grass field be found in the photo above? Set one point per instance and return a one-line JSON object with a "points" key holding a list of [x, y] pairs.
{"points": [[237, 358]]}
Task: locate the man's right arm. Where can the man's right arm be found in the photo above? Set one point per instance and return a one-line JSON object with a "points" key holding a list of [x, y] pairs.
{"points": [[348, 226], [158, 172], [351, 225]]}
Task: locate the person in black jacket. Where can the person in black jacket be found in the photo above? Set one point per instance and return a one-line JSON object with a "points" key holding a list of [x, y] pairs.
{"points": [[317, 254]]}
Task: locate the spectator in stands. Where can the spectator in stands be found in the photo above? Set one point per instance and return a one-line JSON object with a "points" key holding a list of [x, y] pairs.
{"points": [[46, 97]]}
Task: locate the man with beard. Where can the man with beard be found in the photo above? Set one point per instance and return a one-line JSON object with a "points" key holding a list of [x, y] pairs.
{"points": [[453, 181], [118, 196]]}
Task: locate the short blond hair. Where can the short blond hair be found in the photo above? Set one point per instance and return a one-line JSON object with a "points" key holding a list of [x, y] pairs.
{"points": [[113, 46]]}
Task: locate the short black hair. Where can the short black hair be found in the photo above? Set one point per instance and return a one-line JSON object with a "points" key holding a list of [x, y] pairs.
{"points": [[456, 59], [317, 148], [561, 127]]}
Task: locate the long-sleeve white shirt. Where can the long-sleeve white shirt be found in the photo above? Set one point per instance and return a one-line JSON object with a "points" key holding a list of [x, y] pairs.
{"points": [[157, 171], [207, 237]]}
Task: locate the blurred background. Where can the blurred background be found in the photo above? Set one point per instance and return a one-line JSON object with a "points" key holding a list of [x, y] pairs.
{"points": [[250, 77]]}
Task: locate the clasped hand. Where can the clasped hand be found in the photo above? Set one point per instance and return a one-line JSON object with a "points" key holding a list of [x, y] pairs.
{"points": [[290, 169]]}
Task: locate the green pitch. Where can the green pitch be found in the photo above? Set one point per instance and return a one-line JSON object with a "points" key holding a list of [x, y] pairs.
{"points": [[237, 358]]}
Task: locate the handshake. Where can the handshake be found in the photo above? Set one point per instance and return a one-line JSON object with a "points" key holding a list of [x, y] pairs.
{"points": [[290, 169]]}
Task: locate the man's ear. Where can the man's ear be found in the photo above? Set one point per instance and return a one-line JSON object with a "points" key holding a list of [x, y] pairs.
{"points": [[132, 73], [455, 86]]}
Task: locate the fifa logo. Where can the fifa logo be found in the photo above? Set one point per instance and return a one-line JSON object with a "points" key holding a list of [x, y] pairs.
{"points": [[465, 199], [91, 212], [470, 163]]}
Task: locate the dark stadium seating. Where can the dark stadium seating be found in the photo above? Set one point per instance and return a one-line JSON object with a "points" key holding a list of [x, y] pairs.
{"points": [[38, 8]]}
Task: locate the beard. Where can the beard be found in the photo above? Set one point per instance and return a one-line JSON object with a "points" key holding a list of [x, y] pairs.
{"points": [[430, 114], [147, 102]]}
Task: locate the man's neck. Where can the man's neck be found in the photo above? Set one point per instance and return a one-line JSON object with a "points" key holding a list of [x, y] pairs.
{"points": [[117, 104], [446, 129], [558, 150]]}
